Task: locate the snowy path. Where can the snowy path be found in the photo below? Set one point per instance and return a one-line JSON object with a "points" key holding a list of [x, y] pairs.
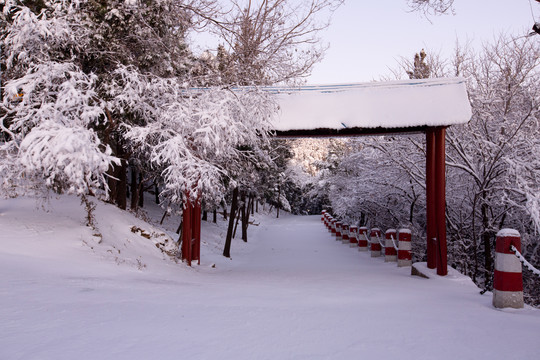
{"points": [[291, 293]]}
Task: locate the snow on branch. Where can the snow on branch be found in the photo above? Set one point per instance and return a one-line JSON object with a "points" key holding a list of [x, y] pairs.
{"points": [[69, 157], [51, 124], [194, 134]]}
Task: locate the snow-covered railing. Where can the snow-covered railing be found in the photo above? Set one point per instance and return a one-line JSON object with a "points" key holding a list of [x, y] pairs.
{"points": [[396, 248], [379, 240], [394, 243], [524, 261]]}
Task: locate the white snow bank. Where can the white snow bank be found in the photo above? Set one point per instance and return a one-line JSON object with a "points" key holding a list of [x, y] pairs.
{"points": [[291, 292], [396, 104]]}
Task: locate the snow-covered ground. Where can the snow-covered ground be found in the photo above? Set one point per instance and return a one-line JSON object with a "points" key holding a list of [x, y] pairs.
{"points": [[291, 292]]}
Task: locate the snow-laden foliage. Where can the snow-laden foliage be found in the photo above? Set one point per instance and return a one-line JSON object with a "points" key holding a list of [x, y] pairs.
{"points": [[192, 135], [85, 89], [69, 157], [51, 114]]}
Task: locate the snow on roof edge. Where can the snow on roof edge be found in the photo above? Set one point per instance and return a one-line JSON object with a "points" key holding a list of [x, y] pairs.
{"points": [[395, 104]]}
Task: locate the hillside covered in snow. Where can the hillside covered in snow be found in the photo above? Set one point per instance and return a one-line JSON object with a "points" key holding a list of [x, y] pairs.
{"points": [[291, 292]]}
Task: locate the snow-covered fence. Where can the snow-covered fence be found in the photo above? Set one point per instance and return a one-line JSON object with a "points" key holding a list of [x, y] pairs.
{"points": [[375, 244], [524, 261], [507, 279], [345, 233], [353, 236], [390, 252], [404, 247], [326, 220], [363, 238]]}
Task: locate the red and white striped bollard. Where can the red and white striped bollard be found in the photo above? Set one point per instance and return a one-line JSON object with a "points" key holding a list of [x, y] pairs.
{"points": [[362, 238], [339, 224], [345, 234], [507, 280], [353, 236], [404, 248], [375, 235], [390, 252]]}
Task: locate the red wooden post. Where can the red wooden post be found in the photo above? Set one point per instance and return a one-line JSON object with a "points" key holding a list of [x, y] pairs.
{"points": [[187, 226], [191, 231], [333, 226], [430, 198], [440, 199], [507, 280], [196, 232]]}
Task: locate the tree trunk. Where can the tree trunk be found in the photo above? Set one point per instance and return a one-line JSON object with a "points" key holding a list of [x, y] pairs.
{"points": [[245, 211], [140, 190], [205, 215], [214, 220], [238, 216], [163, 217], [134, 190], [179, 228], [228, 239], [245, 218], [121, 185], [278, 200], [156, 192], [486, 239]]}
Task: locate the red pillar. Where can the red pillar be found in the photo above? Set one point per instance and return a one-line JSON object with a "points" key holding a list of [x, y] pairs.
{"points": [[196, 232], [191, 231], [430, 198], [440, 199], [187, 223]]}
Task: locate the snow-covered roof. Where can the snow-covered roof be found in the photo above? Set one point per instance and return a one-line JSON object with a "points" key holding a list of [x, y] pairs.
{"points": [[377, 105]]}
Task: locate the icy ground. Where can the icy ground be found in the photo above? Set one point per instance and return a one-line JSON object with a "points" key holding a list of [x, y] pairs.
{"points": [[292, 292]]}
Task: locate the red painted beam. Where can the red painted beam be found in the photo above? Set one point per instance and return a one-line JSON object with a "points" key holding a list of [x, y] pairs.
{"points": [[440, 200], [431, 228]]}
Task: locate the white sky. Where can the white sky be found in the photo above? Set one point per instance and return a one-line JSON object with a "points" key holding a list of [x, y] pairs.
{"points": [[368, 37]]}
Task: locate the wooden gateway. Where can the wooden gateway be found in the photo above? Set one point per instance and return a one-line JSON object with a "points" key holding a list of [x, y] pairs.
{"points": [[426, 106]]}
